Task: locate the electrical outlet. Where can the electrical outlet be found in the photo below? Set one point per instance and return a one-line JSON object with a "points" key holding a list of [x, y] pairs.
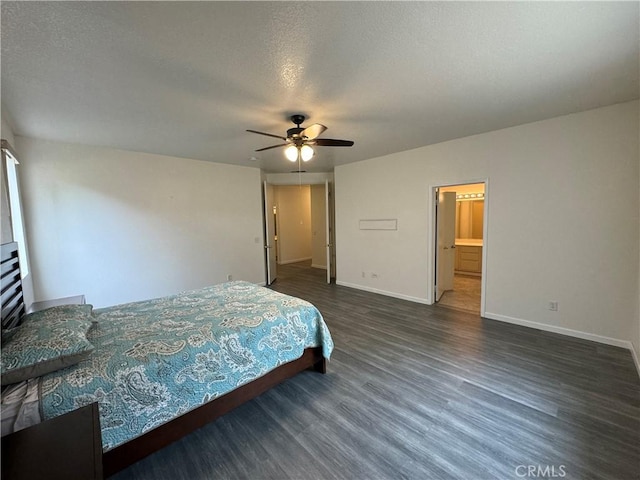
{"points": [[553, 306], [363, 275], [229, 277]]}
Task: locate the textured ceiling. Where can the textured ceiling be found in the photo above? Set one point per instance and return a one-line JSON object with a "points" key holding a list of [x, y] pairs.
{"points": [[187, 78]]}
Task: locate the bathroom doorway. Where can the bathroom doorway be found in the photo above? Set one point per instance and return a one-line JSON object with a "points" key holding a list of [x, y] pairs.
{"points": [[460, 246]]}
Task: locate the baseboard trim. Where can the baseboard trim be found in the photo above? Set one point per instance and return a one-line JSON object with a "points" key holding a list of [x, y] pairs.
{"points": [[383, 292], [636, 360], [561, 330], [295, 261], [615, 342], [323, 267]]}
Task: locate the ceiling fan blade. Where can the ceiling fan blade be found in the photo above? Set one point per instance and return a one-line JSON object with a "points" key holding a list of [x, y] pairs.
{"points": [[272, 146], [267, 134], [329, 142], [313, 131]]}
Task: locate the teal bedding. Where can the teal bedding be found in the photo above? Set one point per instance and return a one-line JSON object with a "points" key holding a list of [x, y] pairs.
{"points": [[157, 359]]}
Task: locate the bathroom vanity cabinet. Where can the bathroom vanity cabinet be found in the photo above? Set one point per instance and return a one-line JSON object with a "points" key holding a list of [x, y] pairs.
{"points": [[468, 257]]}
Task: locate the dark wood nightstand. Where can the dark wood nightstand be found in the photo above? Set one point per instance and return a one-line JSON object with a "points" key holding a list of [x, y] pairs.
{"points": [[66, 447]]}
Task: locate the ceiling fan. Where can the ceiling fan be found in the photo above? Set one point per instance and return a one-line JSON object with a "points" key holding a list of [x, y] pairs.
{"points": [[299, 140]]}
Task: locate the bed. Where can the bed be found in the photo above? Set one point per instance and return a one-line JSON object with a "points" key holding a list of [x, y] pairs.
{"points": [[161, 368]]}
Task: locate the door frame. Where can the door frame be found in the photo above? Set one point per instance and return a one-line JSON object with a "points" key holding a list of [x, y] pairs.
{"points": [[269, 248], [330, 225], [277, 180], [432, 242], [328, 228]]}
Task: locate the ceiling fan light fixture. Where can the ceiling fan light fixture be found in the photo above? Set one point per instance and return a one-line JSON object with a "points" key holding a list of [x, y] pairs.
{"points": [[299, 138], [291, 152], [306, 152]]}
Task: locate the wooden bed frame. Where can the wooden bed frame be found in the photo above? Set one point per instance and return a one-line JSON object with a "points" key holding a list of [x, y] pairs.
{"points": [[122, 456], [12, 298]]}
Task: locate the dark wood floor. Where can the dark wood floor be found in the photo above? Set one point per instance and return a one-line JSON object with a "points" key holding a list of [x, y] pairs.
{"points": [[423, 392]]}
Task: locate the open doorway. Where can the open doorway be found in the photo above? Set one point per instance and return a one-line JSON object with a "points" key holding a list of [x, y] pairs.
{"points": [[460, 226], [299, 227]]}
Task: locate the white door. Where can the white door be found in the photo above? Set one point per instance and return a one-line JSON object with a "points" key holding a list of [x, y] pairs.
{"points": [[446, 241], [269, 233], [328, 229]]}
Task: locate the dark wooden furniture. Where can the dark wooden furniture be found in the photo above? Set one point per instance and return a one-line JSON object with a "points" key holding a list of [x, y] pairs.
{"points": [[12, 299], [124, 455], [65, 447]]}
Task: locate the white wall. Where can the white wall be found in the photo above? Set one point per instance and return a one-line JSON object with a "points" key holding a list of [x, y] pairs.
{"points": [[6, 127], [563, 222], [120, 226], [6, 234], [7, 133], [294, 222], [303, 178], [636, 336], [318, 226]]}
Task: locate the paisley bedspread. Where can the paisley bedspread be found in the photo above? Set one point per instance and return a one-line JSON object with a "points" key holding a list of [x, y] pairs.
{"points": [[157, 359]]}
